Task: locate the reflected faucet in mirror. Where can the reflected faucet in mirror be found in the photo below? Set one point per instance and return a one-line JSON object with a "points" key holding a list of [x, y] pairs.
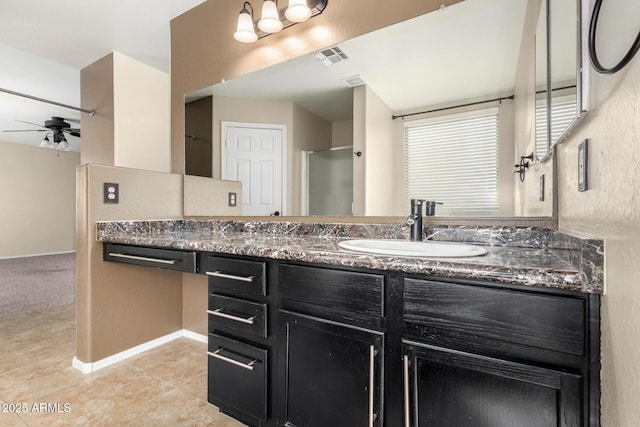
{"points": [[415, 218]]}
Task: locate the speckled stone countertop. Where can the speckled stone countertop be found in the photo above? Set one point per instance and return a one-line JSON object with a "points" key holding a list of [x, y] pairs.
{"points": [[529, 257]]}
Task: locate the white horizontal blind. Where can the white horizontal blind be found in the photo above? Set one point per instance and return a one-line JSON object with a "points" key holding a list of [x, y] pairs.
{"points": [[454, 159], [563, 112]]}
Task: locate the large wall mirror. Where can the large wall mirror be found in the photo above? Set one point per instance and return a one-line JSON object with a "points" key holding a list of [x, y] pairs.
{"points": [[354, 109]]}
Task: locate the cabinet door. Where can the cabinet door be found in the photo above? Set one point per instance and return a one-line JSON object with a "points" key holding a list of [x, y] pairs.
{"points": [[454, 389], [333, 373]]}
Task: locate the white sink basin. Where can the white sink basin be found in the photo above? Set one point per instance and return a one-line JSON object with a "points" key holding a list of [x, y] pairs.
{"points": [[412, 248]]}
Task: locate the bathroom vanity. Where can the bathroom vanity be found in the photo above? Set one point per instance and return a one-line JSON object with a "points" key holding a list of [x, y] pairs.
{"points": [[303, 333]]}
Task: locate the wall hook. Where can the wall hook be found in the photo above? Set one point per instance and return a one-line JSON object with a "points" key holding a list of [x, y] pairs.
{"points": [[358, 153]]}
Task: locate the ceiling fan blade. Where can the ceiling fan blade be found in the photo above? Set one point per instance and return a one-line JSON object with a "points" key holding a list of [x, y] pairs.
{"points": [[29, 123], [26, 130]]}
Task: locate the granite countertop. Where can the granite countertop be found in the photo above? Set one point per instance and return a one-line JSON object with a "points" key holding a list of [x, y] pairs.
{"points": [[528, 266]]}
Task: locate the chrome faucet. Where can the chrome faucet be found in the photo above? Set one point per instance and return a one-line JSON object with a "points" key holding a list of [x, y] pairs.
{"points": [[415, 218]]}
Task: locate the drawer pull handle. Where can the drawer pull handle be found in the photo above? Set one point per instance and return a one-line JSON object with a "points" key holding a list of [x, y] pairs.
{"points": [[217, 355], [222, 275], [143, 258], [218, 312]]}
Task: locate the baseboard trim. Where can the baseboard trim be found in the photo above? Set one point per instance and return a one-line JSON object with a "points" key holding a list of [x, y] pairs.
{"points": [[87, 368], [35, 255]]}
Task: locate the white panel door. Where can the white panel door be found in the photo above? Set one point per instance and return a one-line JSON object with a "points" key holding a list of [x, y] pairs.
{"points": [[254, 157]]}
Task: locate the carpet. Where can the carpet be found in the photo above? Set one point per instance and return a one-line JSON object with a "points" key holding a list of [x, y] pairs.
{"points": [[36, 283]]}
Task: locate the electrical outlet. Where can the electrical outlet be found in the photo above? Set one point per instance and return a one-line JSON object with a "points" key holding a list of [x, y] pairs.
{"points": [[111, 193], [541, 196], [583, 161], [232, 199]]}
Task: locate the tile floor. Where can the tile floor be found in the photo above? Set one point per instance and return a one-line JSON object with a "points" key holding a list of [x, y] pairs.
{"points": [[165, 386]]}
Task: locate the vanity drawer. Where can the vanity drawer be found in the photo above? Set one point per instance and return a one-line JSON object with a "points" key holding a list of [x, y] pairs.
{"points": [[235, 275], [336, 291], [237, 315], [499, 318], [237, 376], [150, 257]]}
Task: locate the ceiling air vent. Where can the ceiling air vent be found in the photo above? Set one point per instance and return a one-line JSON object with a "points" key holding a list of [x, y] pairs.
{"points": [[331, 55], [354, 81]]}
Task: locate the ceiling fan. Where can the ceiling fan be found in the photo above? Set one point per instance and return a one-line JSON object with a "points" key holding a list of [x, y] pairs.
{"points": [[56, 127]]}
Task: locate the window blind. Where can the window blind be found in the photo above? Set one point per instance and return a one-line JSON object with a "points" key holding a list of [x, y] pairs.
{"points": [[563, 112], [454, 159]]}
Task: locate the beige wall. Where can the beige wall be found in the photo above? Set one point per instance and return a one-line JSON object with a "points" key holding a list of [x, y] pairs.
{"points": [[342, 133], [96, 92], [611, 208], [120, 306], [310, 133], [375, 139], [132, 122], [141, 115], [38, 200], [209, 197]]}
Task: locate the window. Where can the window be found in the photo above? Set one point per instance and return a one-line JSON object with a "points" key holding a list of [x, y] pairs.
{"points": [[454, 159], [563, 112]]}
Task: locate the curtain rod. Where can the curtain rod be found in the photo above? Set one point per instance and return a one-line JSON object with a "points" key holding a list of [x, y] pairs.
{"points": [[452, 107], [35, 98]]}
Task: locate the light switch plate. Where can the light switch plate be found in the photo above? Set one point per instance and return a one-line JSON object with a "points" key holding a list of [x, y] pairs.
{"points": [[583, 162], [111, 193]]}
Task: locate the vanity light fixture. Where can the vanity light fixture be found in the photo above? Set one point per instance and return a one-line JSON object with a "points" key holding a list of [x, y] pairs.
{"points": [[272, 19]]}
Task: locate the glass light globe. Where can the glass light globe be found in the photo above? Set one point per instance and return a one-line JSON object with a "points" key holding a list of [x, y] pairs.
{"points": [[245, 32], [270, 21], [298, 11]]}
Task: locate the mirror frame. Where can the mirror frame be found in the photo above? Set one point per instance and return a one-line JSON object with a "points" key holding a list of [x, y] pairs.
{"points": [[582, 74]]}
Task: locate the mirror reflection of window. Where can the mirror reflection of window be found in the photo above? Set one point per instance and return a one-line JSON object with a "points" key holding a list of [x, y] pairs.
{"points": [[563, 113], [454, 159]]}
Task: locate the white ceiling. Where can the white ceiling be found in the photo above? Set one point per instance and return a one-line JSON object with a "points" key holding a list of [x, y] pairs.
{"points": [[467, 52], [44, 45]]}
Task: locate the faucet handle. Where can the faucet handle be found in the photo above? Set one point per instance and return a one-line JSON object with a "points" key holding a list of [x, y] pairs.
{"points": [[430, 207], [411, 220]]}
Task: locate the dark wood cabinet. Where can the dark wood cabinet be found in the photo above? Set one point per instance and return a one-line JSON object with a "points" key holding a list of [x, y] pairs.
{"points": [[479, 354], [332, 374], [444, 387], [241, 341], [303, 345]]}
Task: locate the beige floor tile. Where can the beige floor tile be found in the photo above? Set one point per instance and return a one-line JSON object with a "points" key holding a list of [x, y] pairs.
{"points": [[102, 398], [31, 380], [30, 347], [178, 408], [176, 362], [9, 419], [197, 386]]}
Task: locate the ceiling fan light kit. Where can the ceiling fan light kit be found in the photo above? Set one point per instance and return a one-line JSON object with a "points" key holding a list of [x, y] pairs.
{"points": [[54, 138]]}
